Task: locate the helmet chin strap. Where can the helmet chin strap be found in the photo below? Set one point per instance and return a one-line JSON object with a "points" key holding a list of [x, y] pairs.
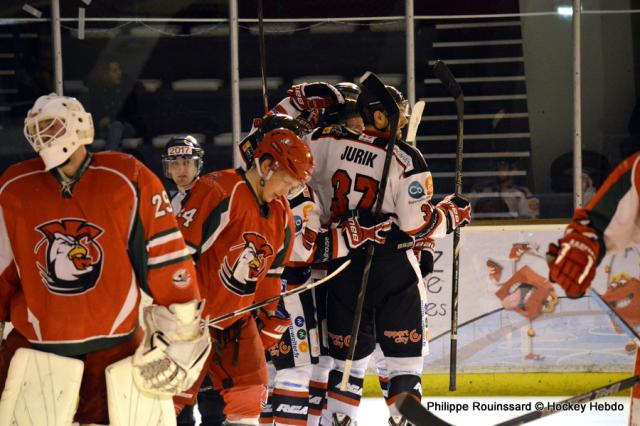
{"points": [[263, 178]]}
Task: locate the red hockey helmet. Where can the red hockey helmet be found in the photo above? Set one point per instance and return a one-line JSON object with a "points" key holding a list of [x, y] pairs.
{"points": [[288, 152]]}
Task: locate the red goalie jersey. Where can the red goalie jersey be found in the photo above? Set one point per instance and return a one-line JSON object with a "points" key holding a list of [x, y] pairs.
{"points": [[71, 261], [240, 246]]}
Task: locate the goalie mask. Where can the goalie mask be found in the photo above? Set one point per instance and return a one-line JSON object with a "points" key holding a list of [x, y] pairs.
{"points": [[56, 126], [186, 152]]}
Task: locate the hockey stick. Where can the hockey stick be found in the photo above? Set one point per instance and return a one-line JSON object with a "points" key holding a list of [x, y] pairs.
{"points": [[291, 292], [615, 317], [263, 60], [372, 83], [416, 413], [442, 72], [601, 392], [414, 122]]}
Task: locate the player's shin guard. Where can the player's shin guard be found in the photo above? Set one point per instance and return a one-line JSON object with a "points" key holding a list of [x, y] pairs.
{"points": [[318, 389], [266, 415], [404, 376], [345, 402]]}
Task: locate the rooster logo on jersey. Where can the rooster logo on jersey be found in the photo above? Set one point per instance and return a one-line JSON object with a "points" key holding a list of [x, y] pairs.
{"points": [[70, 257], [242, 277]]}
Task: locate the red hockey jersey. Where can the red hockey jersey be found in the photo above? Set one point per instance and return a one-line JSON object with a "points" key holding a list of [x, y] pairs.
{"points": [[240, 246], [72, 259]]}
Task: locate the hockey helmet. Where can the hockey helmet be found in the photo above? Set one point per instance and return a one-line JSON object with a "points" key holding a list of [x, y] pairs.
{"points": [[338, 114], [288, 152], [185, 147], [56, 126], [267, 123], [368, 104]]}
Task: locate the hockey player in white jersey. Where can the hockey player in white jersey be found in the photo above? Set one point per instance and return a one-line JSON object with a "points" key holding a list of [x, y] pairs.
{"points": [[348, 171]]}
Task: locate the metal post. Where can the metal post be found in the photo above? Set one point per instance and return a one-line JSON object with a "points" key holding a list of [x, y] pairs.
{"points": [[235, 81], [411, 51], [57, 45], [577, 108]]}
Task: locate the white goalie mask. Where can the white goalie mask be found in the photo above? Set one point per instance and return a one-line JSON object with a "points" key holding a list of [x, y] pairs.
{"points": [[56, 126]]}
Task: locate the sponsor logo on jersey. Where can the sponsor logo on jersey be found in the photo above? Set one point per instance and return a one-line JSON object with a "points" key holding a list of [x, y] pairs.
{"points": [[306, 210], [303, 347], [403, 157], [298, 221], [358, 156], [181, 278], [299, 321], [241, 276], [367, 138], [403, 336], [301, 334], [69, 256], [416, 191], [339, 340], [284, 348], [428, 184]]}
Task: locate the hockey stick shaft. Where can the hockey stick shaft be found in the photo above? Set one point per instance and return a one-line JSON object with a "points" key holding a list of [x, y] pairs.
{"points": [[291, 292], [263, 59], [601, 392], [414, 122], [615, 317], [441, 71], [372, 83]]}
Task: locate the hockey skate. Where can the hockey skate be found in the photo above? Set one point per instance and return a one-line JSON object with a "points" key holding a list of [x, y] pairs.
{"points": [[340, 419], [399, 421]]}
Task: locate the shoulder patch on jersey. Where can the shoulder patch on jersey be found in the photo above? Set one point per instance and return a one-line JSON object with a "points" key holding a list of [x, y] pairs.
{"points": [[335, 131], [411, 159]]}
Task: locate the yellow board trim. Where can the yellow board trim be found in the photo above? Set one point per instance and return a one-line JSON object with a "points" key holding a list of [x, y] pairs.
{"points": [[509, 384]]}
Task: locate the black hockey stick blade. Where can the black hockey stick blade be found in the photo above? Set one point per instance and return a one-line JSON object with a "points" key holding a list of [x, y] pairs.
{"points": [[373, 84], [601, 392], [416, 413], [443, 73]]}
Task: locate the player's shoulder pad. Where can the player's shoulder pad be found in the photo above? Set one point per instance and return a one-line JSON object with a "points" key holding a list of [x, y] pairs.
{"points": [[126, 164], [334, 131], [21, 168], [410, 158], [305, 195]]}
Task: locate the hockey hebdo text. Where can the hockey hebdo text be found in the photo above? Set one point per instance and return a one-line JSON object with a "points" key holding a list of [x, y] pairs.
{"points": [[550, 406]]}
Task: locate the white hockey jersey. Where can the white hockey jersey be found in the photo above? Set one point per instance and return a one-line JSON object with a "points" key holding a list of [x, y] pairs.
{"points": [[348, 171]]}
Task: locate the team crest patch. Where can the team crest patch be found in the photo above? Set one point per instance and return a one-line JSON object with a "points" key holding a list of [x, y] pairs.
{"points": [[241, 276], [181, 278], [69, 256]]}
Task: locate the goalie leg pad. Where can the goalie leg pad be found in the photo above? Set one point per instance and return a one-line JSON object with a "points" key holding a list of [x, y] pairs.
{"points": [[40, 387], [128, 406]]}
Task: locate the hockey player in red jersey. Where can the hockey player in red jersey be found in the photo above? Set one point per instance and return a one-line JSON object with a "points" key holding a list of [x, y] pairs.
{"points": [[182, 162], [240, 228], [608, 224], [81, 234]]}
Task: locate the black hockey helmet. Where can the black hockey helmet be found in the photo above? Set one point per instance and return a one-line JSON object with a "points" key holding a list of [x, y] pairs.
{"points": [[338, 114], [368, 104], [263, 126], [182, 147]]}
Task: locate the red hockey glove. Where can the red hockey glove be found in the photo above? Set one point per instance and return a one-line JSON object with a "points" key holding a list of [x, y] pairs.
{"points": [[315, 95], [272, 327], [356, 233], [458, 211], [573, 261]]}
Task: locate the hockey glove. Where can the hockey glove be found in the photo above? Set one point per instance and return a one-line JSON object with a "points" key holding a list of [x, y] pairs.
{"points": [[272, 327], [573, 261], [457, 211], [315, 95], [174, 350], [424, 249], [356, 233]]}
